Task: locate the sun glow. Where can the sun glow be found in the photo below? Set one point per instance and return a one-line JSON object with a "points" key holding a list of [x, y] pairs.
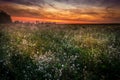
{"points": [[33, 20]]}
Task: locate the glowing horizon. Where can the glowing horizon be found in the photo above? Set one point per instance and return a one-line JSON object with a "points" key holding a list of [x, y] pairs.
{"points": [[34, 20]]}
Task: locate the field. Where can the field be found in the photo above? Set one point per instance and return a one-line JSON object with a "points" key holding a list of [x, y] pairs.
{"points": [[59, 52]]}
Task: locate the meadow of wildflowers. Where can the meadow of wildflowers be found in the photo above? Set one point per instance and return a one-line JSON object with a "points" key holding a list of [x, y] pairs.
{"points": [[59, 52]]}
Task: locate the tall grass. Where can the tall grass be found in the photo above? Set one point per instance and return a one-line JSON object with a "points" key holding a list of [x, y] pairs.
{"points": [[59, 52]]}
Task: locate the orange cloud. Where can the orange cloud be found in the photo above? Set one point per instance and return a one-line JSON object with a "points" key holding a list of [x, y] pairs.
{"points": [[61, 13]]}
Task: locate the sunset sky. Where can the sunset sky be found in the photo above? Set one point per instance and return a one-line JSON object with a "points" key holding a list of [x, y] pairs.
{"points": [[63, 11]]}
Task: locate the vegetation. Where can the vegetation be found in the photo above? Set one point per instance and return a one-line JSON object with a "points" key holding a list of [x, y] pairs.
{"points": [[59, 52]]}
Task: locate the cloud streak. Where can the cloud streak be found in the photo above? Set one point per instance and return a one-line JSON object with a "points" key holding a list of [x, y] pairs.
{"points": [[69, 10], [26, 2]]}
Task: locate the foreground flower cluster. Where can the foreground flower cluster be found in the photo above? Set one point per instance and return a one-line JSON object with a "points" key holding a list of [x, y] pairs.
{"points": [[59, 52]]}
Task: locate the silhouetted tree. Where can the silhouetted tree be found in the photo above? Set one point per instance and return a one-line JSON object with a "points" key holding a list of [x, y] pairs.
{"points": [[4, 17]]}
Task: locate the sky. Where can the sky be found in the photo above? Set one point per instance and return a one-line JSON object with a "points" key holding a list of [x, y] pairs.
{"points": [[63, 11]]}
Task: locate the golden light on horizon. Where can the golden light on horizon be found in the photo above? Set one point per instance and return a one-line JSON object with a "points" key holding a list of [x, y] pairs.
{"points": [[34, 20]]}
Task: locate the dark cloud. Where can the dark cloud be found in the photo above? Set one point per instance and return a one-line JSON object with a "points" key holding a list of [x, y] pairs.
{"points": [[112, 3], [26, 2], [102, 3]]}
